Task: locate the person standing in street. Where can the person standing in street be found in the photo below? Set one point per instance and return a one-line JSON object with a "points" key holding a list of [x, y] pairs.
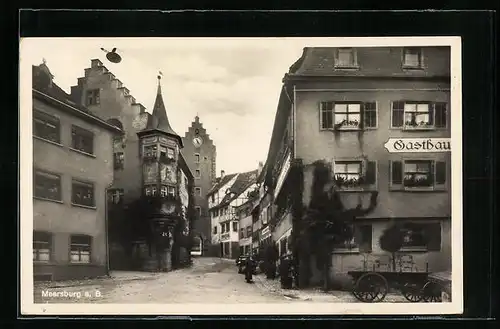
{"points": [[249, 269]]}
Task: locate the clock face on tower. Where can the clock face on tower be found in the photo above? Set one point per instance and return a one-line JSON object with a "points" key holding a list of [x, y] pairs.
{"points": [[197, 141]]}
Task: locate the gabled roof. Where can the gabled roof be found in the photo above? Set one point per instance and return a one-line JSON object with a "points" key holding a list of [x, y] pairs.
{"points": [[243, 181], [223, 181], [43, 87]]}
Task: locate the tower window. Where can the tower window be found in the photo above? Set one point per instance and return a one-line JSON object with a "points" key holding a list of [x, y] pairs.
{"points": [[198, 173], [196, 158], [197, 191]]}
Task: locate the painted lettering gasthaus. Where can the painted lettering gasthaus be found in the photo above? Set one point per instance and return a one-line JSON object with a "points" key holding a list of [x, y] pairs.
{"points": [[418, 145]]}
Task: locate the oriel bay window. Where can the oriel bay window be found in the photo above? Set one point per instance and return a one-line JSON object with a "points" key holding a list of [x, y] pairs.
{"points": [[418, 174], [150, 190], [47, 185], [80, 249], [46, 126], [82, 140], [42, 245], [165, 191], [167, 152], [419, 115], [151, 151], [348, 115], [82, 193]]}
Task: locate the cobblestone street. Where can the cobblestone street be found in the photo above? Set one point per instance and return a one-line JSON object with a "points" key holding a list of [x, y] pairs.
{"points": [[208, 280]]}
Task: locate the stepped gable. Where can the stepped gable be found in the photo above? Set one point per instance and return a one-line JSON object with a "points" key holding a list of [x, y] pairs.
{"points": [[98, 66], [158, 120]]}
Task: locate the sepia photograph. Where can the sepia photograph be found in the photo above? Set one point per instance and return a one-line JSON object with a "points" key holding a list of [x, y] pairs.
{"points": [[226, 176]]}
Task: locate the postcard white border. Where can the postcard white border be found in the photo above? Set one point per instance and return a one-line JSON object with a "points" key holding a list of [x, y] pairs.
{"points": [[28, 307]]}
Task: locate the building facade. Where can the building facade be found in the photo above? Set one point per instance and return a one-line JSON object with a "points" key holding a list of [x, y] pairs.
{"points": [[200, 154], [244, 215], [345, 106], [72, 169], [230, 192], [151, 176]]}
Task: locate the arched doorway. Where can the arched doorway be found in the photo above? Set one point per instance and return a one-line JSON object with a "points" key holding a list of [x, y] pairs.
{"points": [[197, 248]]}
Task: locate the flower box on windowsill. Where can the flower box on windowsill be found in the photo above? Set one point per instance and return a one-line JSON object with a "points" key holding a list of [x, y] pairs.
{"points": [[417, 127]]}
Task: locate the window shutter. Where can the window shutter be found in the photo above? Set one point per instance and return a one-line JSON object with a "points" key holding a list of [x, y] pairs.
{"points": [[433, 232], [362, 115], [396, 172], [440, 173], [431, 113], [371, 172], [363, 236], [397, 109]]}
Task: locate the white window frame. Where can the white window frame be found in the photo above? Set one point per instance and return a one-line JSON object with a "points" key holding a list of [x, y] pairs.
{"points": [[353, 65], [56, 176], [433, 187], [421, 64], [362, 173], [37, 251], [47, 120], [432, 106], [417, 103], [79, 252]]}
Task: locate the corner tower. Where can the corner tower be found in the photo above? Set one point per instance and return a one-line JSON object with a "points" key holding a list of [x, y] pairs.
{"points": [[200, 154]]}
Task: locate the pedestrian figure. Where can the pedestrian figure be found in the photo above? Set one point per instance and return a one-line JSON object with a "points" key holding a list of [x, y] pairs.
{"points": [[286, 273], [249, 269]]}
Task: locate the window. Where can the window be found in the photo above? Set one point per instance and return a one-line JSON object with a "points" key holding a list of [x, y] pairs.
{"points": [[119, 159], [47, 186], [197, 173], [197, 190], [196, 158], [115, 196], [419, 115], [348, 173], [167, 152], [242, 233], [46, 126], [412, 58], [83, 193], [80, 249], [93, 97], [370, 115], [346, 58], [227, 227], [151, 151], [249, 231], [215, 230], [198, 211], [414, 174], [418, 236], [82, 140], [163, 191], [42, 242], [223, 228], [235, 226], [360, 241], [347, 115]]}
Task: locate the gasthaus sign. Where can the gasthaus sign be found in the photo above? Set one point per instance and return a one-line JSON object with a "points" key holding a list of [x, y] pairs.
{"points": [[418, 145]]}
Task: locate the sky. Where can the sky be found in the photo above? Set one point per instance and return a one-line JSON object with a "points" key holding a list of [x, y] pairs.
{"points": [[233, 85]]}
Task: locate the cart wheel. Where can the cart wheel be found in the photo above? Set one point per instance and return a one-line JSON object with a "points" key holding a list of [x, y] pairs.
{"points": [[431, 292], [371, 288], [412, 292]]}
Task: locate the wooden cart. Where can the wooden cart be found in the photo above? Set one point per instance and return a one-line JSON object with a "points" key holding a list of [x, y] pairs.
{"points": [[373, 286]]}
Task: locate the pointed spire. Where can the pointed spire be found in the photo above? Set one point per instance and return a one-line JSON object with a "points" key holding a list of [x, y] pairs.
{"points": [[159, 119]]}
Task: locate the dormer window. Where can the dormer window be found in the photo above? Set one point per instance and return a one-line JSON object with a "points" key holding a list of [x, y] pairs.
{"points": [[92, 97], [346, 58], [412, 58]]}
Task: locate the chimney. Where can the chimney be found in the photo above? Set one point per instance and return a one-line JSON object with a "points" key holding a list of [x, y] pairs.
{"points": [[222, 174]]}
